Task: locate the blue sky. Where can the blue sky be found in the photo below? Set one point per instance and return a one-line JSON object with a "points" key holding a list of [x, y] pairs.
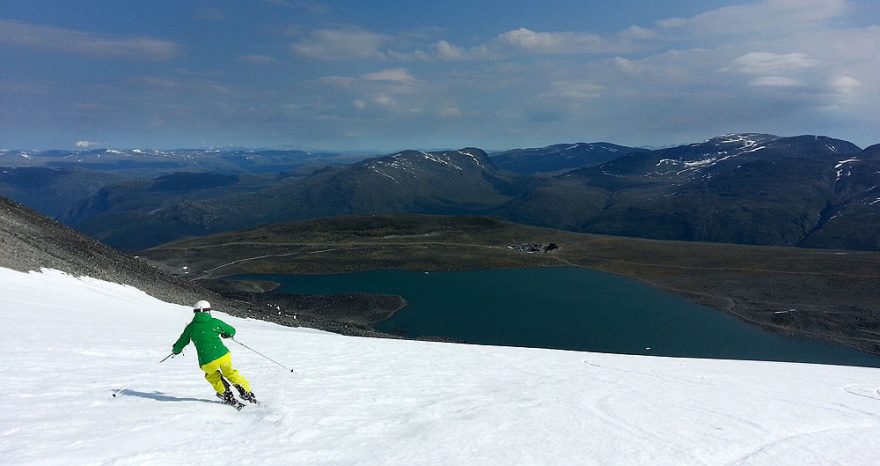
{"points": [[383, 75]]}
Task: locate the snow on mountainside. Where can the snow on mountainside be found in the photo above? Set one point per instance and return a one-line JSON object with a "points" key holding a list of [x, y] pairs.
{"points": [[715, 150], [412, 162], [70, 343], [727, 152]]}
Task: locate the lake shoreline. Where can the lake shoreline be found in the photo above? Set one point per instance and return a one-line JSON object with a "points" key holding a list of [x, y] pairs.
{"points": [[362, 309], [467, 289]]}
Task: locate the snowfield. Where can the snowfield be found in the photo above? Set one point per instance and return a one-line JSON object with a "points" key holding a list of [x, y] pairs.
{"points": [[69, 343]]}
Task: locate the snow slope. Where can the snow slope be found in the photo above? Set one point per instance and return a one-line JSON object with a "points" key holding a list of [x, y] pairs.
{"points": [[69, 343]]}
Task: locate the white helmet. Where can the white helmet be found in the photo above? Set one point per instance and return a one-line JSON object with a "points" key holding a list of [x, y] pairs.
{"points": [[202, 306]]}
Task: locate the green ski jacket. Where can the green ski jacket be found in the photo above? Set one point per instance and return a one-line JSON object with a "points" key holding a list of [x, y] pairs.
{"points": [[205, 332]]}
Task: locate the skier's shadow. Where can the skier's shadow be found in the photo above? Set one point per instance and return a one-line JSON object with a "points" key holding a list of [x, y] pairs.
{"points": [[159, 396]]}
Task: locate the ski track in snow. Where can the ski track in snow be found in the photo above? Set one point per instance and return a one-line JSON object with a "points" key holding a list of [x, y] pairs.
{"points": [[70, 343]]}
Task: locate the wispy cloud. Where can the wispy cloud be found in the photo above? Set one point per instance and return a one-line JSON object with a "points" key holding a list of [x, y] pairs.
{"points": [[397, 75], [764, 62], [524, 42], [775, 81], [352, 43], [549, 43], [845, 87], [73, 41], [575, 90], [392, 89], [764, 17], [341, 44]]}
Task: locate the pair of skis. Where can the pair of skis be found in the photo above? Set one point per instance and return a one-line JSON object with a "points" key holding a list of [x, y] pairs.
{"points": [[232, 400]]}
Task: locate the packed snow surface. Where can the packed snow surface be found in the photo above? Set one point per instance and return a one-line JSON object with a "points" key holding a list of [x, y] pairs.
{"points": [[69, 343]]}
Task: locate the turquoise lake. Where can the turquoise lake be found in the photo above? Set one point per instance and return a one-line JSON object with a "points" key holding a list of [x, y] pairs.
{"points": [[566, 308]]}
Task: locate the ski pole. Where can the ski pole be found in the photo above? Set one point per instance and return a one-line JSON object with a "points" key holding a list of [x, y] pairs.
{"points": [[261, 354], [125, 387]]}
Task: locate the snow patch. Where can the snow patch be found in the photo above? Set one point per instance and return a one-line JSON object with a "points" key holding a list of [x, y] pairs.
{"points": [[476, 159], [668, 162], [386, 175], [699, 163], [433, 158], [840, 167], [745, 142], [841, 163]]}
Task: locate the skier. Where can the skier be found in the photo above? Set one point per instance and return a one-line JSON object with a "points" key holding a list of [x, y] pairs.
{"points": [[205, 332]]}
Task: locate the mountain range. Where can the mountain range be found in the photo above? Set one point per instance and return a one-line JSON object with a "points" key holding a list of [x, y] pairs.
{"points": [[745, 188], [150, 162], [749, 188]]}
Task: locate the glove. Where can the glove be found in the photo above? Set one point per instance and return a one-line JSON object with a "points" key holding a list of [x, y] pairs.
{"points": [[224, 335]]}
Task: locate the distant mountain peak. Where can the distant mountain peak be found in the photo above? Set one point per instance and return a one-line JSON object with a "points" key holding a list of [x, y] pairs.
{"points": [[410, 159], [558, 157], [742, 141]]}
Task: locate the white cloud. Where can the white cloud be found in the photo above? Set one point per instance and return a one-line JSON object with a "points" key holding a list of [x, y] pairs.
{"points": [[670, 23], [397, 75], [845, 84], [846, 88], [638, 32], [765, 17], [575, 90], [765, 62], [354, 43], [775, 81], [84, 144], [384, 100], [447, 51], [523, 41], [341, 44], [547, 42], [85, 43]]}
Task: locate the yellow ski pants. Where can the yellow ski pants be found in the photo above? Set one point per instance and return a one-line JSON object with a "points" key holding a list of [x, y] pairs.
{"points": [[223, 366]]}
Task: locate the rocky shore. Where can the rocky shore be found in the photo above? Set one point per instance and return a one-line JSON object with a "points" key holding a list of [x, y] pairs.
{"points": [[353, 308]]}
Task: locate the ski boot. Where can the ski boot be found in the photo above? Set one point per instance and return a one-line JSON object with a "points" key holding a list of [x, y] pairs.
{"points": [[228, 398], [246, 395]]}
